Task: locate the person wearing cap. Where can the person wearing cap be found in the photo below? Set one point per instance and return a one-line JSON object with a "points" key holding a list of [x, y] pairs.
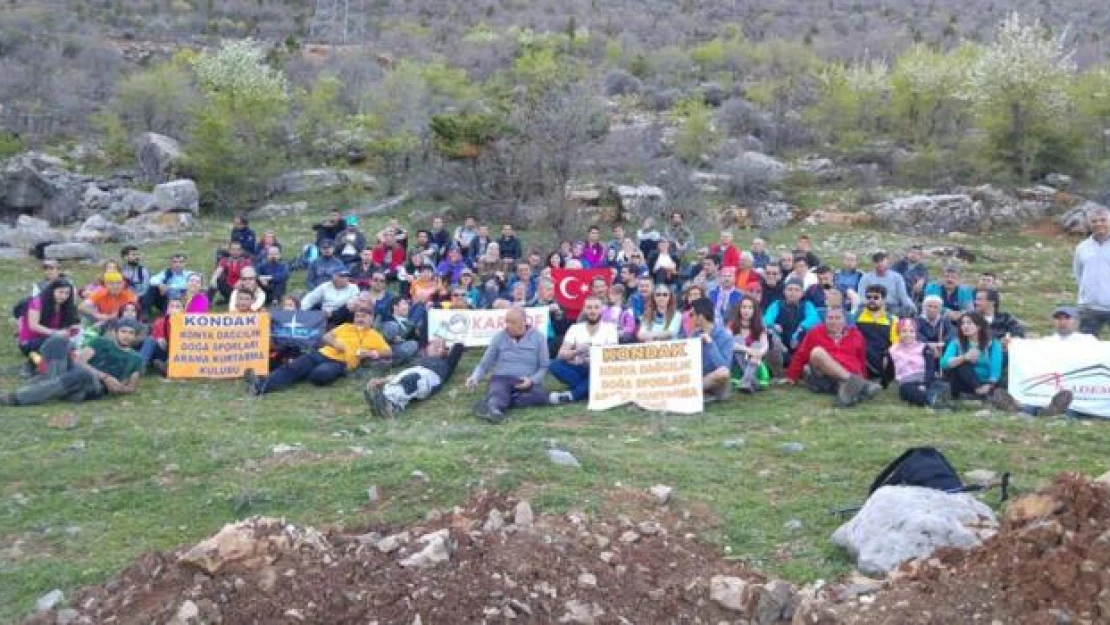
{"points": [[326, 265], [898, 300], [106, 366], [331, 295], [248, 287], [913, 272], [345, 348], [1065, 323], [956, 298], [789, 319], [104, 303], [1091, 267]]}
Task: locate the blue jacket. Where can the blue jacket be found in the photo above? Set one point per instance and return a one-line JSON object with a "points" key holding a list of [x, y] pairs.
{"points": [[988, 369], [245, 237], [734, 299], [717, 353], [322, 269], [964, 299]]}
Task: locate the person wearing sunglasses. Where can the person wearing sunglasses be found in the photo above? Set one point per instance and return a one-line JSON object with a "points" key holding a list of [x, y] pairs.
{"points": [[661, 320], [880, 333]]}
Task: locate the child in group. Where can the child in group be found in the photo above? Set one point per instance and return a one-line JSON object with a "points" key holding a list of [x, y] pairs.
{"points": [[915, 369]]}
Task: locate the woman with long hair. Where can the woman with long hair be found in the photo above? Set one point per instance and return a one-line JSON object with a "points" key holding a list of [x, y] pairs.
{"points": [[972, 361], [468, 285], [751, 344], [555, 260], [661, 320], [195, 298], [52, 312], [269, 239]]}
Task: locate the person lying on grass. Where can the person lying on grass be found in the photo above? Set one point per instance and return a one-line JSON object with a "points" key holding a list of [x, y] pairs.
{"points": [[107, 366], [389, 396]]}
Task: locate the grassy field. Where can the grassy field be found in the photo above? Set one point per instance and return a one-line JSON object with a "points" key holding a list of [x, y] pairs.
{"points": [[174, 462]]}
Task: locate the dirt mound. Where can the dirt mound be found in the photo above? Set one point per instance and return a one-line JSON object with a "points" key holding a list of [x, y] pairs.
{"points": [[1048, 564], [491, 560]]}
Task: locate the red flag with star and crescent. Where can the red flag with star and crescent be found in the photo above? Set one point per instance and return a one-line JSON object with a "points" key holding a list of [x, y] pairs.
{"points": [[572, 286]]}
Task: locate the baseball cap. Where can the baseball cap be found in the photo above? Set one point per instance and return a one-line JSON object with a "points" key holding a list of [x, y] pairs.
{"points": [[128, 323], [1070, 311], [343, 273], [327, 243], [822, 269]]}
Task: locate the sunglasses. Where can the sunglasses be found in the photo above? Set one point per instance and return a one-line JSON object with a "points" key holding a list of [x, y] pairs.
{"points": [[662, 295]]}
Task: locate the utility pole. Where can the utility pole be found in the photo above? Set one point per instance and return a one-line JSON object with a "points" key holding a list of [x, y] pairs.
{"points": [[339, 21]]}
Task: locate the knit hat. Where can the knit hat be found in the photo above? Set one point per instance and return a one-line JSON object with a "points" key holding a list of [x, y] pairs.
{"points": [[113, 276], [796, 282]]}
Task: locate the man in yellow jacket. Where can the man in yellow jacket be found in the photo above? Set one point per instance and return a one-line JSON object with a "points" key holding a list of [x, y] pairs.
{"points": [[344, 349]]}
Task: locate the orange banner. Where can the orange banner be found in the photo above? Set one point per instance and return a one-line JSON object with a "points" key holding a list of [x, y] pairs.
{"points": [[219, 345]]}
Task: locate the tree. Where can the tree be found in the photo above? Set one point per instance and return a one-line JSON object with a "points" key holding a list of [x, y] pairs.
{"points": [[925, 87], [1018, 86], [696, 135], [852, 104], [237, 133]]}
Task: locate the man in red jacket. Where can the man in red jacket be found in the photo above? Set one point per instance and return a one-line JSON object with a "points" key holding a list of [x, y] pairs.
{"points": [[833, 357]]}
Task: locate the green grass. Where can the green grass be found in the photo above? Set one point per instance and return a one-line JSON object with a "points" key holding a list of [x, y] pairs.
{"points": [[76, 506]]}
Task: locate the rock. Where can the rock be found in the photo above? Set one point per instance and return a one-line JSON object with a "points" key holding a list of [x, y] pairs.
{"points": [[392, 543], [434, 552], [1074, 221], [247, 543], [27, 188], [29, 233], [494, 522], [581, 613], [282, 448], [900, 523], [587, 580], [733, 443], [10, 253], [272, 211], [661, 493], [178, 196], [762, 604], [67, 616], [839, 218], [62, 208], [629, 537], [981, 476], [187, 614], [771, 215], [563, 458], [1061, 182], [640, 201], [49, 601], [158, 156], [95, 199], [975, 211], [130, 203], [67, 421], [792, 448], [157, 226], [793, 525], [373, 494], [71, 251], [589, 195], [522, 514], [1032, 507], [305, 181], [97, 229], [728, 592], [759, 166]]}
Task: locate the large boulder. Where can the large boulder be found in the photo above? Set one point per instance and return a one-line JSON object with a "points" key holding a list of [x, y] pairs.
{"points": [[180, 196], [130, 202], [97, 229], [61, 209], [771, 215], [757, 165], [71, 251], [1075, 221], [273, 210], [158, 156], [26, 188], [158, 226], [95, 199], [313, 180], [930, 214], [900, 523], [28, 233]]}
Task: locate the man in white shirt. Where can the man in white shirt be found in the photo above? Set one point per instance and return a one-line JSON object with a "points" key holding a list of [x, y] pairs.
{"points": [[331, 295], [1065, 320], [1092, 273], [572, 365]]}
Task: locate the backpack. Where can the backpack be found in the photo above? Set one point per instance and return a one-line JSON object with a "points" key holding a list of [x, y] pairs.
{"points": [[920, 466]]}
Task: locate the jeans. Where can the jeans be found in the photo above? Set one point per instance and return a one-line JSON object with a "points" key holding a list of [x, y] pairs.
{"points": [[151, 350], [63, 378], [314, 367], [963, 380], [502, 396], [576, 377], [913, 393], [1091, 321]]}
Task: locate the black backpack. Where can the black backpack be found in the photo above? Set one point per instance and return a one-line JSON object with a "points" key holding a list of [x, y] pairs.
{"points": [[920, 466]]}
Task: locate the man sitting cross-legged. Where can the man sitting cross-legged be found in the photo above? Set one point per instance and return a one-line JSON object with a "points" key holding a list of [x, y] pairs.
{"points": [[344, 349], [389, 396], [834, 359], [516, 361], [108, 366], [572, 364]]}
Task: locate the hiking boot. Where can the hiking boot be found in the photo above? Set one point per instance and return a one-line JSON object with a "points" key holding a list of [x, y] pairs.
{"points": [[1059, 404], [747, 386], [870, 389], [488, 413], [380, 406], [848, 392], [1003, 400], [252, 383]]}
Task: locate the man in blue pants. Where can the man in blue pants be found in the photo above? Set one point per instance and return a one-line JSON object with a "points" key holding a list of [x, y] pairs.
{"points": [[572, 365]]}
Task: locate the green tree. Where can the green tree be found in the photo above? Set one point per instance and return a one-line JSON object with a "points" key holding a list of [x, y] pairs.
{"points": [[1019, 88], [319, 114], [925, 102], [695, 135]]}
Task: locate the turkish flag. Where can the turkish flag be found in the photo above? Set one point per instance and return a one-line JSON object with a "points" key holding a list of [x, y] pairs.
{"points": [[572, 286]]}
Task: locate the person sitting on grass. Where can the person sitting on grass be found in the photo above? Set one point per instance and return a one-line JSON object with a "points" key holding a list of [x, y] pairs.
{"points": [[880, 332], [107, 366], [50, 313], [716, 351], [228, 271], [661, 320], [915, 370], [331, 295], [972, 363], [344, 350], [249, 286], [833, 359], [572, 364], [103, 303], [390, 396], [516, 361], [155, 349], [750, 345], [790, 319]]}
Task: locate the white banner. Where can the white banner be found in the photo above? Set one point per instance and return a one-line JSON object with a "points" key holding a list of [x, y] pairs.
{"points": [[475, 328], [663, 376], [1041, 368]]}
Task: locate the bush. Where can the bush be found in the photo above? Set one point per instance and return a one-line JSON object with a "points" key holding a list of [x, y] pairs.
{"points": [[10, 144], [660, 100], [739, 118], [749, 181], [619, 82]]}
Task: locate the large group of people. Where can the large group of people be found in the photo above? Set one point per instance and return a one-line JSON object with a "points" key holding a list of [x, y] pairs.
{"points": [[791, 319]]}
